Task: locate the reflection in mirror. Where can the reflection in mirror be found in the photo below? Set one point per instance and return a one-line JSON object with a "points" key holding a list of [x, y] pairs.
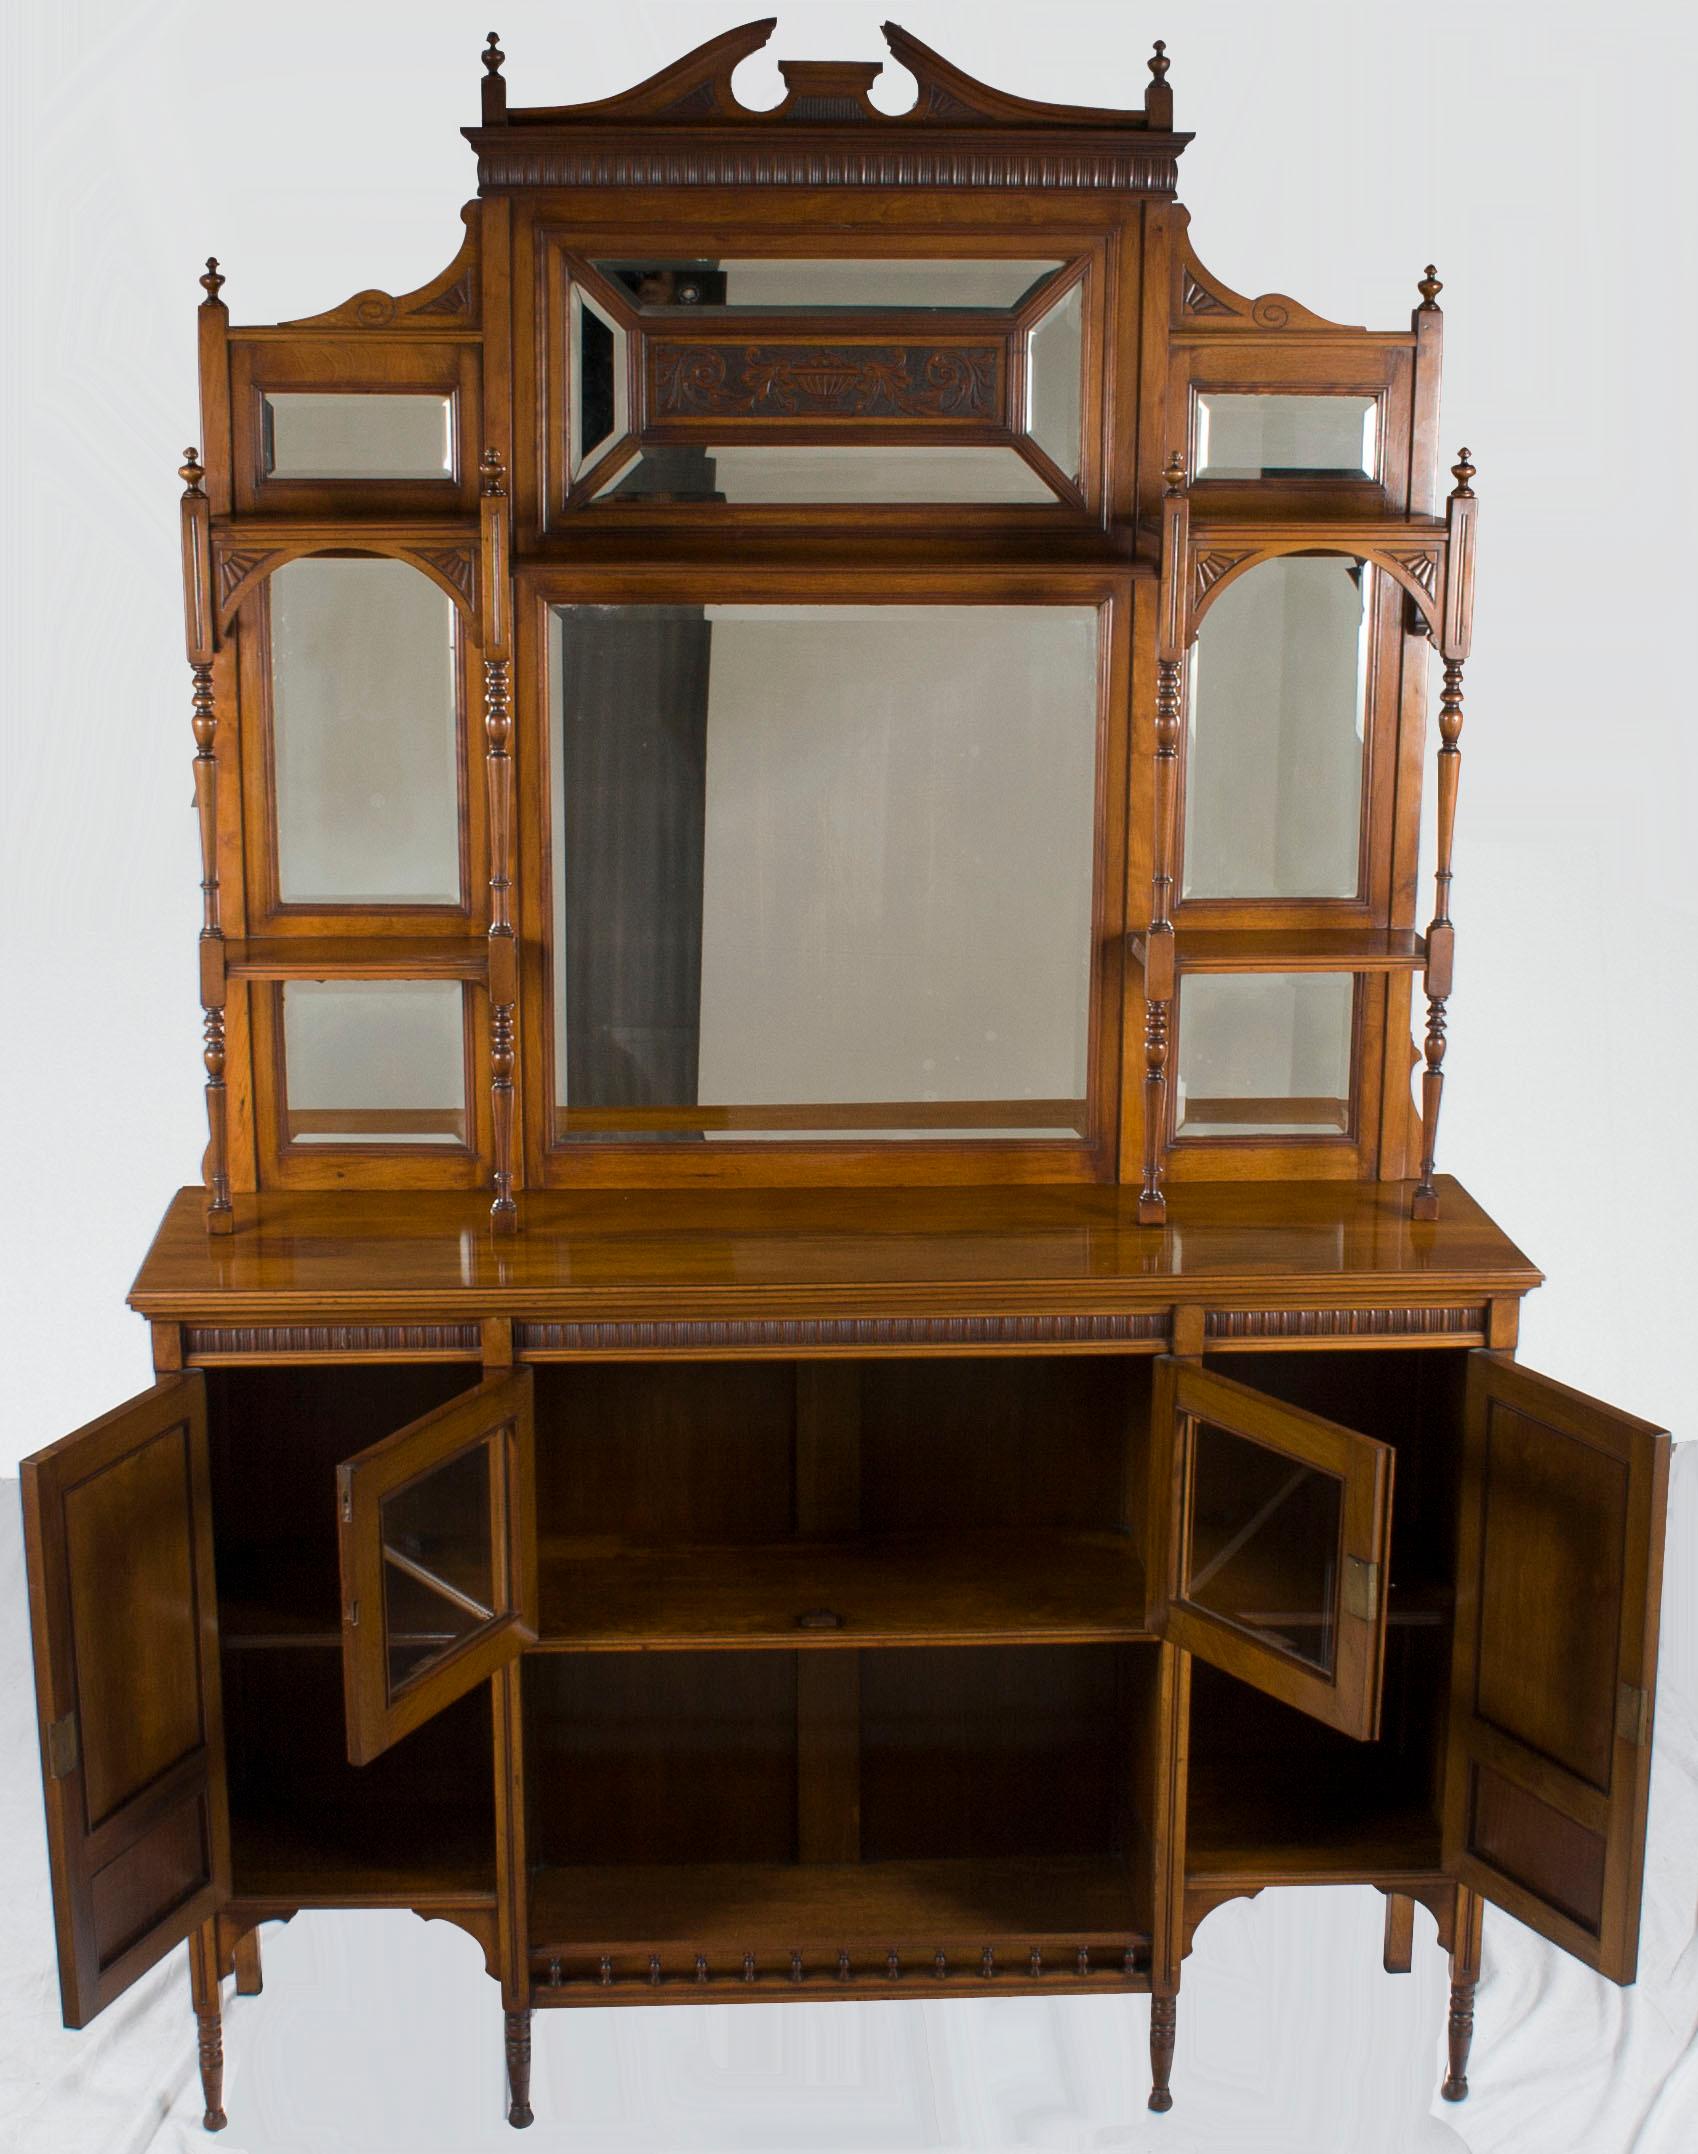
{"points": [[438, 1573], [1263, 1551], [374, 1062], [1274, 756], [828, 473], [1264, 1054], [365, 734], [1287, 437], [354, 435], [1054, 363], [822, 870], [826, 285], [600, 394]]}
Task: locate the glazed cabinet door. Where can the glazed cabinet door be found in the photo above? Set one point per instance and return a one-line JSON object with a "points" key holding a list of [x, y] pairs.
{"points": [[118, 1542], [438, 1548], [1559, 1573], [1271, 1532]]}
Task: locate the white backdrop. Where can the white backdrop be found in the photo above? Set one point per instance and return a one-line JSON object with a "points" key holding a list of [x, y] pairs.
{"points": [[1544, 157]]}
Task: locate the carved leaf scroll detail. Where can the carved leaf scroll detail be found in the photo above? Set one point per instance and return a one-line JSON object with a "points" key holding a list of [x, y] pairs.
{"points": [[771, 381]]}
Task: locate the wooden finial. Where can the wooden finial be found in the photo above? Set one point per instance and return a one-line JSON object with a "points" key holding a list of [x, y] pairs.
{"points": [[1429, 288], [1174, 472], [212, 283], [1462, 471], [493, 472], [191, 473], [493, 54], [1159, 63]]}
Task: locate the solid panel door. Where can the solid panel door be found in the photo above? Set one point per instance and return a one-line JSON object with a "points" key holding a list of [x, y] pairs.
{"points": [[124, 1614], [438, 1547], [1272, 1528], [1559, 1574]]}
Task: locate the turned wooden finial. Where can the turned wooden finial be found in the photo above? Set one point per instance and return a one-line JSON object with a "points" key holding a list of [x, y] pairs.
{"points": [[1462, 471], [212, 283], [493, 54], [1159, 63], [1429, 288], [191, 473], [1175, 473], [493, 473]]}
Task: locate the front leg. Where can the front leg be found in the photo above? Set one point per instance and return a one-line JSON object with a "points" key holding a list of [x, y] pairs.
{"points": [[1163, 2013], [519, 2112], [1464, 1974], [209, 2021]]}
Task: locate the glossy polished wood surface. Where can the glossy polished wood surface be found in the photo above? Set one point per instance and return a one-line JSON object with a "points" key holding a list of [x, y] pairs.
{"points": [[784, 1252]]}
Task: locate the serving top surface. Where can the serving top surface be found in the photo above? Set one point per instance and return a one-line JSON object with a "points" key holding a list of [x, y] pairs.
{"points": [[617, 1255]]}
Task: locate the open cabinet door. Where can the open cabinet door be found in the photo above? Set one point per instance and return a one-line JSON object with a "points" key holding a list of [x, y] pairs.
{"points": [[1272, 1532], [1559, 1574], [118, 1542], [438, 1542]]}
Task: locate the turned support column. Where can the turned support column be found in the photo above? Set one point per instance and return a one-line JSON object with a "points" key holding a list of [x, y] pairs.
{"points": [[209, 2022], [1441, 935], [1464, 1975], [1159, 980], [1163, 2014], [198, 620], [498, 764], [519, 2112]]}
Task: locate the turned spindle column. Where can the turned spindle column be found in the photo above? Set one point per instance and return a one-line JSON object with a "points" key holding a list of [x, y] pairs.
{"points": [[1158, 945], [198, 622], [498, 764], [1464, 1975], [1441, 936]]}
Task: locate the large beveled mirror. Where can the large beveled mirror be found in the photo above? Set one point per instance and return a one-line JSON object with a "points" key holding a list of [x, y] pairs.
{"points": [[822, 871]]}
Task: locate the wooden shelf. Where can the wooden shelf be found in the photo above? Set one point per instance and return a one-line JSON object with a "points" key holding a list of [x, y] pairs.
{"points": [[898, 1589], [1319, 949], [721, 1909], [348, 1855], [359, 957]]}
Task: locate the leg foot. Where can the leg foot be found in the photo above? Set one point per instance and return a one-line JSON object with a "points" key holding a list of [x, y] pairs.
{"points": [[1163, 2011], [209, 2022], [519, 2112], [1455, 2088]]}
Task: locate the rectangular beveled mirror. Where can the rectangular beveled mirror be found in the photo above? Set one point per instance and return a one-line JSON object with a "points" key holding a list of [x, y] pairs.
{"points": [[335, 434], [1265, 1054], [822, 870], [1296, 436]]}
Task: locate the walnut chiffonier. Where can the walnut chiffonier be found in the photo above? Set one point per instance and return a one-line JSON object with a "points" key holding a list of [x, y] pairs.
{"points": [[821, 1355]]}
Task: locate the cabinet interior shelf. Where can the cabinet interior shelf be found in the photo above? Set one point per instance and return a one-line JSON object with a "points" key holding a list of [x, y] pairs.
{"points": [[359, 957], [722, 1909], [886, 1590], [1321, 949]]}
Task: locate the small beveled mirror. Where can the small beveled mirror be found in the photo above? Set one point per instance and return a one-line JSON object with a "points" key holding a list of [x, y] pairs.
{"points": [[350, 434], [1272, 436], [365, 734], [600, 399], [1055, 381], [374, 1062], [1276, 741], [1265, 1054]]}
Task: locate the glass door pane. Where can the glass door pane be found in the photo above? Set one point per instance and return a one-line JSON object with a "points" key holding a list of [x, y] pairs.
{"points": [[438, 1555], [1275, 1563]]}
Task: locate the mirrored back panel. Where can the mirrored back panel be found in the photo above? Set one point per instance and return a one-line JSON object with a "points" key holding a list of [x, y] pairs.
{"points": [[821, 871]]}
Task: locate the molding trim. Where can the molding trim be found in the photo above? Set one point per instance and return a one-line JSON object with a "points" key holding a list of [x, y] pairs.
{"points": [[872, 1333], [1387, 1323]]}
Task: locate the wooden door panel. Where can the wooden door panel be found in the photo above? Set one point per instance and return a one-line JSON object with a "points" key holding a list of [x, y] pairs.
{"points": [[1559, 1574], [438, 1552], [118, 1537], [1272, 1528]]}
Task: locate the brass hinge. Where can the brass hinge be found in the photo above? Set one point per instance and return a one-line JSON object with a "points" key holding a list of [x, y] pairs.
{"points": [[353, 1615], [1361, 1589], [347, 1506], [62, 1749], [1633, 1715]]}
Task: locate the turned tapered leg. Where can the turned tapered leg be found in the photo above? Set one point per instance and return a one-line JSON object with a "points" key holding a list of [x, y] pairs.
{"points": [[1162, 2016], [250, 1977], [519, 2069], [1464, 1974], [209, 2025]]}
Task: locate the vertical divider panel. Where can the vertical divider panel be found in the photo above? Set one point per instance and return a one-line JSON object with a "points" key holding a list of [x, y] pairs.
{"points": [[828, 1678]]}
